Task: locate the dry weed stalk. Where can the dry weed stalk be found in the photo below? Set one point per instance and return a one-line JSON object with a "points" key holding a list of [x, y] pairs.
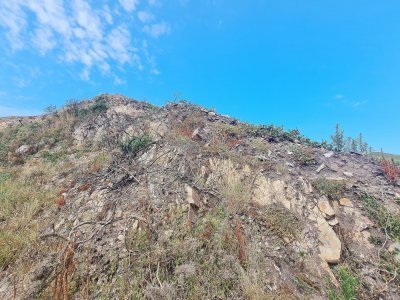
{"points": [[241, 243], [62, 281], [390, 168]]}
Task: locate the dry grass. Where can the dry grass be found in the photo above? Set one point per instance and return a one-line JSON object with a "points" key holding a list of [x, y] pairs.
{"points": [[233, 183], [282, 222], [21, 199]]}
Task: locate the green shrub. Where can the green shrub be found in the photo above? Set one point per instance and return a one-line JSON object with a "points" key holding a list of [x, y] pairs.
{"points": [[134, 145], [99, 106], [333, 189]]}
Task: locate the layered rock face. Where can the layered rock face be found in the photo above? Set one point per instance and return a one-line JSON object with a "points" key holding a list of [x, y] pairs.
{"points": [[118, 199]]}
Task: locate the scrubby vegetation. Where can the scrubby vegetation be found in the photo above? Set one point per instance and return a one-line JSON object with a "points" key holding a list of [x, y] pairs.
{"points": [[389, 222], [134, 145]]}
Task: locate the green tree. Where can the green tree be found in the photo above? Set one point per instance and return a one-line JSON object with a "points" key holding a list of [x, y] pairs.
{"points": [[338, 142], [362, 146], [354, 145]]}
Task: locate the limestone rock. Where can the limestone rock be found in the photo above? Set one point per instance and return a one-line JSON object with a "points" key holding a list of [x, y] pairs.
{"points": [[325, 207], [333, 222], [320, 168], [329, 154], [192, 196], [395, 249], [331, 246], [348, 174]]}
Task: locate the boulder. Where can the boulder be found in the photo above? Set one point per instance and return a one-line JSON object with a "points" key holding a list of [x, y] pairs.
{"points": [[25, 150]]}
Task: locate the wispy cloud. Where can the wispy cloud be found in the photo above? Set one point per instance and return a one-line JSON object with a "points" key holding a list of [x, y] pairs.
{"points": [[145, 16], [358, 103], [81, 33], [343, 100], [129, 5], [157, 29]]}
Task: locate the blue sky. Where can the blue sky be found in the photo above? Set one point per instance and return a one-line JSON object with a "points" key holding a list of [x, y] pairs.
{"points": [[301, 64]]}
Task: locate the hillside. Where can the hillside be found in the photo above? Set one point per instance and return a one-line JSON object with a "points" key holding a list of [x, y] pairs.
{"points": [[119, 199]]}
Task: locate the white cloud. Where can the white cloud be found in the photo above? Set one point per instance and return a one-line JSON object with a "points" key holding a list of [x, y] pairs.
{"points": [[358, 103], [79, 33], [145, 16], [338, 97], [129, 5], [158, 29]]}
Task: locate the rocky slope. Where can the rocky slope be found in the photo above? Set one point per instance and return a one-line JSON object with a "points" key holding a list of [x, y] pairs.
{"points": [[118, 199]]}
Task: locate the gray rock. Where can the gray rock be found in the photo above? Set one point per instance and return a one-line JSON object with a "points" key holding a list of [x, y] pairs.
{"points": [[329, 154]]}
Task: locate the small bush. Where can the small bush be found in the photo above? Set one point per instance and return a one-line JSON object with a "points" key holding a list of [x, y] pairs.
{"points": [[134, 145], [333, 189], [100, 105], [303, 156]]}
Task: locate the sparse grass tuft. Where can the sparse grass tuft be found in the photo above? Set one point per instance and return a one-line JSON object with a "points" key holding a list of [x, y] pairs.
{"points": [[348, 286], [333, 189]]}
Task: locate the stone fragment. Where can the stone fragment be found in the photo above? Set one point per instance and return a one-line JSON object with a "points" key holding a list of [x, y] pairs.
{"points": [[320, 168], [26, 150], [192, 196], [325, 208], [348, 174], [345, 202], [196, 135]]}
